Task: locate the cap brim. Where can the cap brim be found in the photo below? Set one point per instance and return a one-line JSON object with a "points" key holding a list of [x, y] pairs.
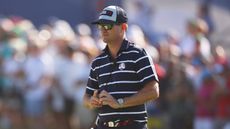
{"points": [[103, 21]]}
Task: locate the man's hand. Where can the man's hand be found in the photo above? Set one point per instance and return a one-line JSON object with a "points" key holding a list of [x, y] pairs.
{"points": [[94, 100], [107, 99]]}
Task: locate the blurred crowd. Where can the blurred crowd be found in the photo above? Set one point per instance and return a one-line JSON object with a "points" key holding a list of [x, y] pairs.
{"points": [[44, 71]]}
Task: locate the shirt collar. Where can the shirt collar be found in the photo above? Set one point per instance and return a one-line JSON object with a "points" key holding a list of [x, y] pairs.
{"points": [[124, 46]]}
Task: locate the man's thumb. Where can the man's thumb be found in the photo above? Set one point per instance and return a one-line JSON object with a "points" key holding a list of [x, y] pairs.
{"points": [[95, 93]]}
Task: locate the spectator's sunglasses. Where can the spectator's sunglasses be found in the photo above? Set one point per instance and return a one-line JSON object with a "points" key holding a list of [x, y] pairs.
{"points": [[105, 26]]}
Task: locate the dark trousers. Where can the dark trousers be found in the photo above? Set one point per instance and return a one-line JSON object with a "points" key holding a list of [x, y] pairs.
{"points": [[132, 126]]}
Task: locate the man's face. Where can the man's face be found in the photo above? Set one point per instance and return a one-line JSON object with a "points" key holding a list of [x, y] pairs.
{"points": [[109, 32]]}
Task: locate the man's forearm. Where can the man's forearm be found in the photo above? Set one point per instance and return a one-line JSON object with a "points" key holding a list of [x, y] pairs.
{"points": [[149, 92]]}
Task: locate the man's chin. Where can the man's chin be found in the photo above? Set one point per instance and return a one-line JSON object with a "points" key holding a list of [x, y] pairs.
{"points": [[105, 40]]}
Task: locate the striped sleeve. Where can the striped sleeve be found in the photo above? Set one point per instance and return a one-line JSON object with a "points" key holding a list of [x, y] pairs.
{"points": [[92, 83], [145, 68]]}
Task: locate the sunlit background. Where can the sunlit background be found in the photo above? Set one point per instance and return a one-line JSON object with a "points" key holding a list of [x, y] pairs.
{"points": [[46, 47]]}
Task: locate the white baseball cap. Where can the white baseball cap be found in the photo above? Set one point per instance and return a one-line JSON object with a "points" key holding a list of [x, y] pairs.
{"points": [[112, 15]]}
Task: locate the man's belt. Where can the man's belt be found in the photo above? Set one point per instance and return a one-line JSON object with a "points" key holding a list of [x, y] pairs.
{"points": [[117, 123]]}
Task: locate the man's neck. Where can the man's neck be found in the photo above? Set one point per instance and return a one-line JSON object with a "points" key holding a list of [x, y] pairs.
{"points": [[114, 47]]}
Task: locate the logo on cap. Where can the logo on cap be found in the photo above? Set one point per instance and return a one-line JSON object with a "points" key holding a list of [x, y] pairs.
{"points": [[107, 12]]}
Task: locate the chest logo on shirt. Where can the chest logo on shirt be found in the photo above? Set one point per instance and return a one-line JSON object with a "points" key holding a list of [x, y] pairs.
{"points": [[121, 66]]}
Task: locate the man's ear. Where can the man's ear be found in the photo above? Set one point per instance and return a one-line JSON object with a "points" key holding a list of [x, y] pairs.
{"points": [[124, 26]]}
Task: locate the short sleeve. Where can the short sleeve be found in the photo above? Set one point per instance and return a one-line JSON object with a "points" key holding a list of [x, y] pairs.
{"points": [[92, 83], [145, 68]]}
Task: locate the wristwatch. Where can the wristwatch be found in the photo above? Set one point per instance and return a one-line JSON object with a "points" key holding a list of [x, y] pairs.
{"points": [[120, 102]]}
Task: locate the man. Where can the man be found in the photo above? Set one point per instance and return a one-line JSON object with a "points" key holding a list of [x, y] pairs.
{"points": [[122, 77]]}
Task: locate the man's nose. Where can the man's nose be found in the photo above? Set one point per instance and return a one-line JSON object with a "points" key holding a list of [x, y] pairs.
{"points": [[103, 29]]}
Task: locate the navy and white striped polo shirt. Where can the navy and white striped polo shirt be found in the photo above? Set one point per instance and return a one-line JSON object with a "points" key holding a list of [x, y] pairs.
{"points": [[122, 77]]}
